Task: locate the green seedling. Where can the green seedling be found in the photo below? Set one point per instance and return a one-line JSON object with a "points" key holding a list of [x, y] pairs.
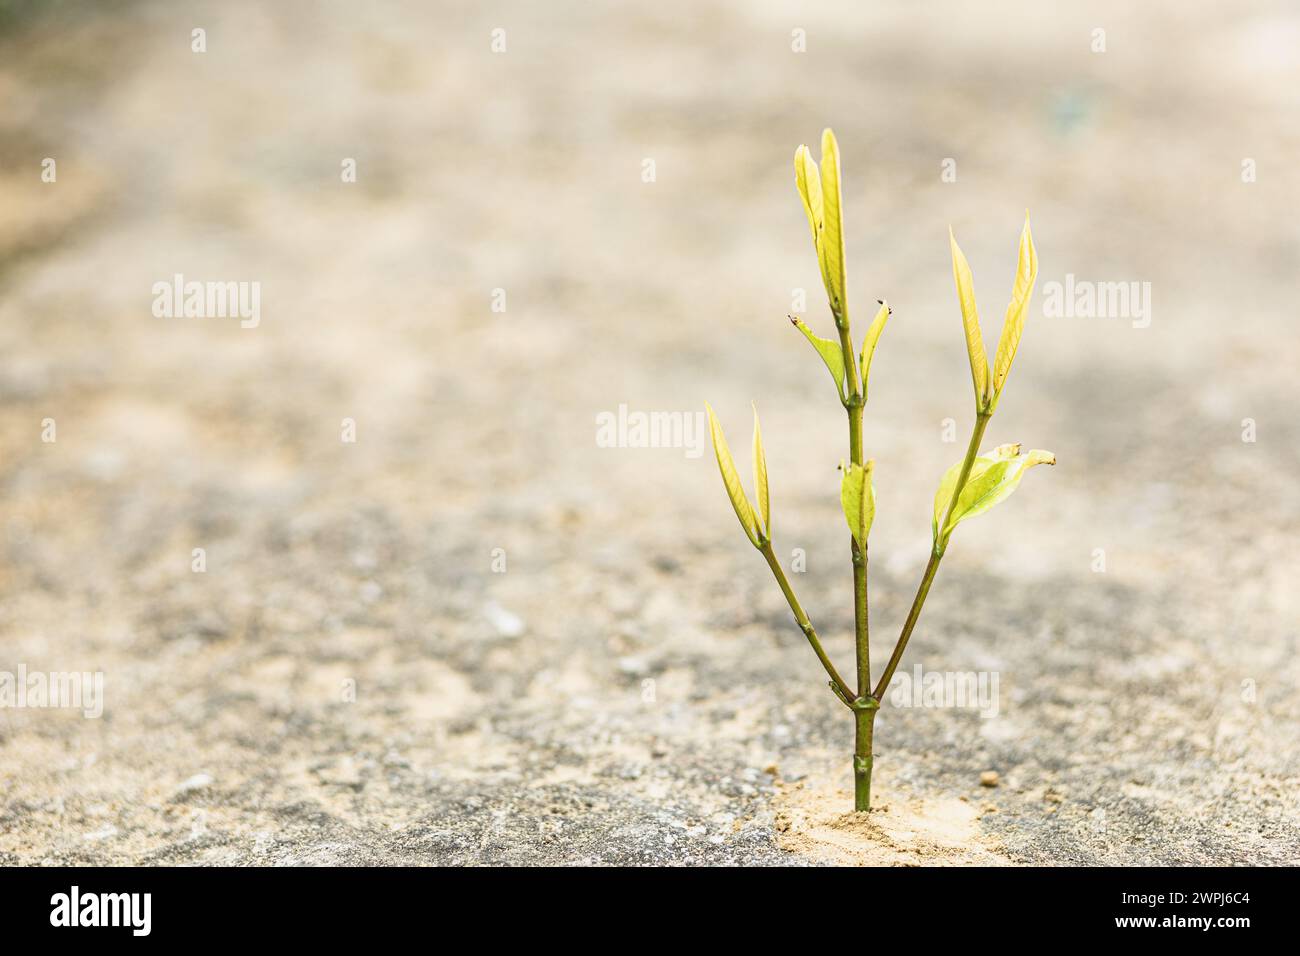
{"points": [[969, 488]]}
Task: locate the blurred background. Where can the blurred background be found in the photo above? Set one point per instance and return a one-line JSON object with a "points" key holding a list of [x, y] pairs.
{"points": [[474, 635]]}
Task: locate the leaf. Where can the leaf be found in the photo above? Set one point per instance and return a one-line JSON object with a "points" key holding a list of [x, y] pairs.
{"points": [[1026, 274], [869, 343], [832, 240], [831, 352], [947, 485], [999, 477], [970, 319], [858, 497], [760, 480], [808, 181], [731, 480]]}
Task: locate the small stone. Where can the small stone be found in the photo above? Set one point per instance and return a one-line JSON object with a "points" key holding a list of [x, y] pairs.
{"points": [[197, 782], [506, 623], [633, 666], [666, 563], [989, 778]]}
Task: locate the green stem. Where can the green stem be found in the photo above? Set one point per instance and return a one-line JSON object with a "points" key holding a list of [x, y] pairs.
{"points": [[936, 555], [972, 451], [864, 712], [912, 615], [860, 618], [864, 706], [842, 689]]}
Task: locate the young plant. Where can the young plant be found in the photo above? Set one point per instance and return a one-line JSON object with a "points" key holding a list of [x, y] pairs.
{"points": [[969, 488]]}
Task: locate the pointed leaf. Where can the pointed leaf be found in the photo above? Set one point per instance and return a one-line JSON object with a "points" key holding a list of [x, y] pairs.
{"points": [[979, 363], [993, 484], [869, 343], [1026, 274], [858, 498], [731, 480], [948, 484], [760, 480], [808, 181], [830, 352], [832, 240]]}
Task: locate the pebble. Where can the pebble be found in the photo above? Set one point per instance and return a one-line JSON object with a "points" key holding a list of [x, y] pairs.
{"points": [[196, 782], [989, 778], [633, 666], [507, 624]]}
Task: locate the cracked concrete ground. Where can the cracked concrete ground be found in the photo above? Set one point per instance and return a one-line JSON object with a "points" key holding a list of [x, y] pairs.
{"points": [[473, 636]]}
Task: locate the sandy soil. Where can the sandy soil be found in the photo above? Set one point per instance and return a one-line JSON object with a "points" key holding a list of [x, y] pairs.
{"points": [[356, 677], [944, 831]]}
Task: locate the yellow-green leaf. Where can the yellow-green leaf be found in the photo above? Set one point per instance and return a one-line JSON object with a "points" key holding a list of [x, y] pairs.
{"points": [[858, 497], [998, 477], [760, 480], [869, 343], [970, 319], [832, 240], [948, 484], [808, 180], [831, 352], [1026, 274], [731, 480]]}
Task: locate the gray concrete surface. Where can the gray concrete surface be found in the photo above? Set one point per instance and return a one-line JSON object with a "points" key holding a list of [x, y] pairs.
{"points": [[351, 681]]}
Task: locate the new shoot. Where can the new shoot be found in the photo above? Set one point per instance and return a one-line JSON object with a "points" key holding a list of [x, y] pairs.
{"points": [[970, 487]]}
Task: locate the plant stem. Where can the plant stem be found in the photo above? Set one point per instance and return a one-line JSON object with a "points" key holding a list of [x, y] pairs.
{"points": [[912, 615], [860, 620], [864, 705], [854, 406], [864, 713], [804, 624], [936, 555], [972, 451]]}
